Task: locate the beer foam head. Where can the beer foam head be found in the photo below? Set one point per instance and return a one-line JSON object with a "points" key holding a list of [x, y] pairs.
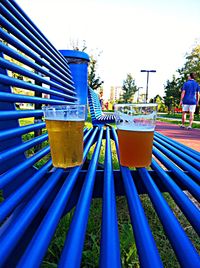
{"points": [[144, 122], [65, 112]]}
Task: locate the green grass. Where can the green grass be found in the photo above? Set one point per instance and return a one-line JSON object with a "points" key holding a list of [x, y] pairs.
{"points": [[176, 122]]}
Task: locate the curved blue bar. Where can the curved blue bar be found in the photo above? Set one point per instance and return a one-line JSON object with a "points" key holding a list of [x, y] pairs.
{"points": [[33, 46], [13, 54], [26, 99], [39, 244], [15, 231], [16, 68], [146, 246], [192, 187], [14, 42], [8, 205], [185, 251], [180, 146], [25, 20], [18, 169], [181, 163], [72, 251], [32, 37], [185, 157], [110, 244], [18, 131], [189, 209], [15, 150], [6, 115]]}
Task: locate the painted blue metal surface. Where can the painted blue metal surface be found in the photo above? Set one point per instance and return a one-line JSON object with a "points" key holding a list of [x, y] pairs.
{"points": [[146, 246], [78, 62], [110, 234], [185, 251], [72, 251]]}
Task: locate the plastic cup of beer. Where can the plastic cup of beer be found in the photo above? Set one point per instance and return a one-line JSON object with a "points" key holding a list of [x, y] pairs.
{"points": [[65, 124], [135, 129]]}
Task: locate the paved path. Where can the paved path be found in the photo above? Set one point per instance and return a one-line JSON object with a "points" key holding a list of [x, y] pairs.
{"points": [[190, 138]]}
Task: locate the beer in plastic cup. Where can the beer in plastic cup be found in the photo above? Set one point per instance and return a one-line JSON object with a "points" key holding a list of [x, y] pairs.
{"points": [[135, 128], [65, 124]]}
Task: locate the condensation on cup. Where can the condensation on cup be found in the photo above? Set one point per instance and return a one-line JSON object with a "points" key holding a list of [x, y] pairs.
{"points": [[135, 128]]}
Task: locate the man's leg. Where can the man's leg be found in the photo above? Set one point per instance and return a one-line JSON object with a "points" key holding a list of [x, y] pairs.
{"points": [[183, 118], [191, 119]]}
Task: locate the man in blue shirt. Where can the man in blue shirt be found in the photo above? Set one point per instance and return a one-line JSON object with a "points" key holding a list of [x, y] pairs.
{"points": [[189, 99]]}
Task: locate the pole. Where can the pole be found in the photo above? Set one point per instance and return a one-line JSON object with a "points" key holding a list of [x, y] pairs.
{"points": [[147, 86]]}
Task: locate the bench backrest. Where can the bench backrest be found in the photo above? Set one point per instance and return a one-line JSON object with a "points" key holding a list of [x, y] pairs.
{"points": [[94, 104], [32, 73]]}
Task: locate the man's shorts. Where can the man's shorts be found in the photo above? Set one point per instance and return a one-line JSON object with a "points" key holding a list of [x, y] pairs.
{"points": [[188, 108]]}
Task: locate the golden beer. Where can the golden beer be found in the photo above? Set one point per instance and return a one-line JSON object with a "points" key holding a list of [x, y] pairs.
{"points": [[66, 142], [135, 147]]}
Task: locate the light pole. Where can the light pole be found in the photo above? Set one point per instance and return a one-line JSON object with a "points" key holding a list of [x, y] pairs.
{"points": [[138, 93], [147, 71]]}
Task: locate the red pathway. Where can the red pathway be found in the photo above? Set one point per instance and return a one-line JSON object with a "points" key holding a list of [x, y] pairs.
{"points": [[190, 138]]}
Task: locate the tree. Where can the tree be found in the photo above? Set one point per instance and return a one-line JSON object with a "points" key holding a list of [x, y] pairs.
{"points": [[94, 81], [173, 87], [129, 88], [172, 93]]}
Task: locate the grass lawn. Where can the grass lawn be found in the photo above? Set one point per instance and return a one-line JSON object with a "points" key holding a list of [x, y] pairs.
{"points": [[91, 252]]}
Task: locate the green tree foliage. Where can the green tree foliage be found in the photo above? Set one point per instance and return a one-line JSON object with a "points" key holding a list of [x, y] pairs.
{"points": [[159, 100], [129, 88], [173, 87], [94, 80], [172, 93]]}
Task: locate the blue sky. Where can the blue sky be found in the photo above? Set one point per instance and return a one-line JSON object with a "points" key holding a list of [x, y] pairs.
{"points": [[132, 34]]}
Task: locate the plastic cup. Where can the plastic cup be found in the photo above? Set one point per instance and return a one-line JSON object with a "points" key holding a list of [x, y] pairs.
{"points": [[135, 128], [65, 124]]}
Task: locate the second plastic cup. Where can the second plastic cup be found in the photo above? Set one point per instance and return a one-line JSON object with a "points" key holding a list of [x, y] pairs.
{"points": [[135, 128], [65, 129]]}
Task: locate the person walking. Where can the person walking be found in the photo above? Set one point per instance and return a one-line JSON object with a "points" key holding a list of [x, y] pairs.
{"points": [[189, 99]]}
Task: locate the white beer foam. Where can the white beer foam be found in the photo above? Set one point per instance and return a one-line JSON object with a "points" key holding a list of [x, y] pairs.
{"points": [[135, 128], [62, 116]]}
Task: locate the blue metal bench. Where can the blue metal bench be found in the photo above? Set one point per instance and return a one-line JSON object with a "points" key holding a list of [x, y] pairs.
{"points": [[98, 116], [37, 196]]}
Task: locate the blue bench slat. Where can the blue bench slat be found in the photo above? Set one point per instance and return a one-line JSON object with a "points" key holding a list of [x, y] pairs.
{"points": [[15, 231], [41, 239], [12, 173], [179, 161], [26, 99], [33, 46], [14, 151], [18, 131], [23, 29], [23, 71], [17, 44], [146, 246], [185, 149], [10, 203], [109, 235], [192, 186], [17, 11], [186, 158], [6, 115], [185, 251], [72, 251], [14, 54], [187, 206]]}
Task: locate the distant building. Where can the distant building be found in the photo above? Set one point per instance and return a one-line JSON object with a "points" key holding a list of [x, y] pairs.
{"points": [[115, 93]]}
